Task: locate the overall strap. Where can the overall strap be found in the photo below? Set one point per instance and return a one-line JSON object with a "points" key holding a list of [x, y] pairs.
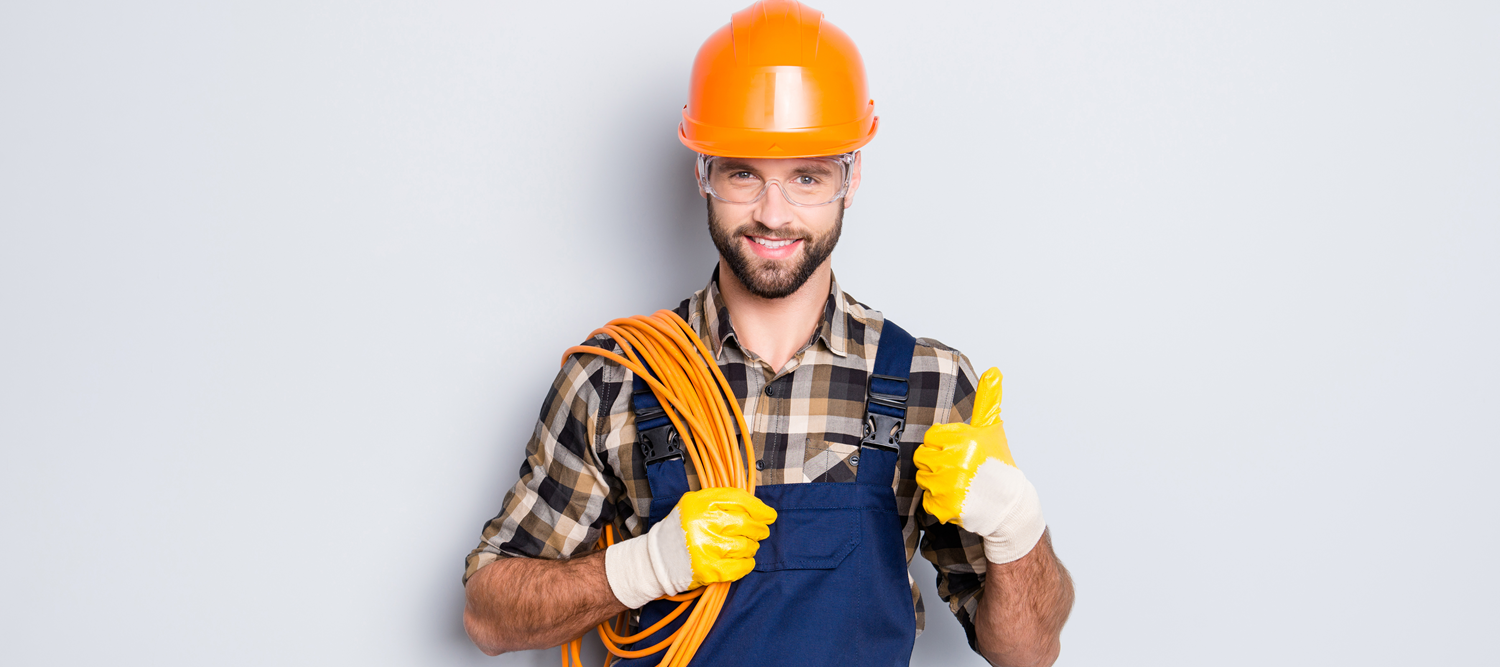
{"points": [[660, 447], [885, 406]]}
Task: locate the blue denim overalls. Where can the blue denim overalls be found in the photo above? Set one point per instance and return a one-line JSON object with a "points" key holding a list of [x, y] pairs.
{"points": [[830, 583]]}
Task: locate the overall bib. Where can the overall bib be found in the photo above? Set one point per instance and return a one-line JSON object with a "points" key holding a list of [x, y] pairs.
{"points": [[830, 583]]}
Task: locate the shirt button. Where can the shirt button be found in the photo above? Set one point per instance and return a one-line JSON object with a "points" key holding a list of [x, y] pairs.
{"points": [[760, 465], [770, 390], [854, 460]]}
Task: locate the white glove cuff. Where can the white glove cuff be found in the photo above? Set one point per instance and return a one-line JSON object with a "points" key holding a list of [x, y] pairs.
{"points": [[627, 566], [669, 554], [1008, 514], [642, 569]]}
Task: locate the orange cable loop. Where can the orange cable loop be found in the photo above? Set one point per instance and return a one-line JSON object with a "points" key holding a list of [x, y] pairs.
{"points": [[701, 405]]}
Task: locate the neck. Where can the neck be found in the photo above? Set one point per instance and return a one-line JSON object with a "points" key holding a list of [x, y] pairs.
{"points": [[774, 329]]}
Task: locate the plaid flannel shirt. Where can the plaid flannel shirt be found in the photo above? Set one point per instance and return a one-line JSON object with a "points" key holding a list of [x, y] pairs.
{"points": [[583, 468]]}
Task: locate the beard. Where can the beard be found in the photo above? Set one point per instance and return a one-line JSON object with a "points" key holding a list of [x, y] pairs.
{"points": [[771, 279]]}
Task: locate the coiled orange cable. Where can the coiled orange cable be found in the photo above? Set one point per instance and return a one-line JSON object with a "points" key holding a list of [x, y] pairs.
{"points": [[700, 403]]}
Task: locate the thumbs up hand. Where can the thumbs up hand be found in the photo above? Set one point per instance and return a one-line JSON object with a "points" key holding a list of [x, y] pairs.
{"points": [[970, 479]]}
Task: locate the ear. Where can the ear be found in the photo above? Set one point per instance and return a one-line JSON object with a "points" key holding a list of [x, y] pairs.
{"points": [[698, 180], [853, 180]]}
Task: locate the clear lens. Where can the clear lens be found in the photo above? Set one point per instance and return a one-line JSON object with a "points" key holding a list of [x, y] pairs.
{"points": [[803, 181]]}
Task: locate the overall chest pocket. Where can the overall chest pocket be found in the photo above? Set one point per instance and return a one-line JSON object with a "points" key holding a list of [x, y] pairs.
{"points": [[809, 539]]}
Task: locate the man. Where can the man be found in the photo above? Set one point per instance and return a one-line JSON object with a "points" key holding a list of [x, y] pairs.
{"points": [[861, 450]]}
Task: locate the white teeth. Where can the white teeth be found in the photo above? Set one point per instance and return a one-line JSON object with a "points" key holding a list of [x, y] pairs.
{"points": [[773, 244]]}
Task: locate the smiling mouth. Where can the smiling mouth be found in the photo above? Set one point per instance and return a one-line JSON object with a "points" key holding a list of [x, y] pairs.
{"points": [[773, 244]]}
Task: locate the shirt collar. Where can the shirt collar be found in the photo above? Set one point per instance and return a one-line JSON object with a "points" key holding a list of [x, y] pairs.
{"points": [[833, 330]]}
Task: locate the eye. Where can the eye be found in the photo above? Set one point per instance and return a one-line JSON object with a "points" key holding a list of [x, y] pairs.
{"points": [[742, 176], [806, 179]]}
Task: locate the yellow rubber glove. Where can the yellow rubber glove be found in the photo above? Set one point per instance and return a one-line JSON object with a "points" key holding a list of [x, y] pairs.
{"points": [[710, 536], [969, 478], [722, 528]]}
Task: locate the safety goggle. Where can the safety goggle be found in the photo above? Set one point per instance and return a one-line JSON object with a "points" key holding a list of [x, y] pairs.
{"points": [[813, 181]]}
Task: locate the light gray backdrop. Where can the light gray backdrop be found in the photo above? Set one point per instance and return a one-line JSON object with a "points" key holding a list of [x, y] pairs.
{"points": [[282, 285]]}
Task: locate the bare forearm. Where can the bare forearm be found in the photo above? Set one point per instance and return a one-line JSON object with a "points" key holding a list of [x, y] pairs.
{"points": [[1023, 608], [515, 604]]}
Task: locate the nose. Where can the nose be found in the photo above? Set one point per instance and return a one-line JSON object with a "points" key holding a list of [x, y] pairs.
{"points": [[775, 208]]}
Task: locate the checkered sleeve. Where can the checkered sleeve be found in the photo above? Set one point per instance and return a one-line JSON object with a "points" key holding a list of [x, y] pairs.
{"points": [[565, 494], [957, 553]]}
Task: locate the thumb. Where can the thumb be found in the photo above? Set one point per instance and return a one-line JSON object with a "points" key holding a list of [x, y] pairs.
{"points": [[987, 399]]}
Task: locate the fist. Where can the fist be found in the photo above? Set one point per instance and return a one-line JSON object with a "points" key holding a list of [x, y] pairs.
{"points": [[710, 536], [722, 528]]}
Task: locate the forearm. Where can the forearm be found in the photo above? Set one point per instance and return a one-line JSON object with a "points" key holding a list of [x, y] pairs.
{"points": [[1022, 609], [515, 604]]}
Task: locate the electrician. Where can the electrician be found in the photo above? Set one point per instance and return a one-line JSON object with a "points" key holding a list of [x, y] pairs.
{"points": [[861, 449]]}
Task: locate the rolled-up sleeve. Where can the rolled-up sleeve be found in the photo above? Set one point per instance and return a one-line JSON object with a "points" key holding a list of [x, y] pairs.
{"points": [[563, 497]]}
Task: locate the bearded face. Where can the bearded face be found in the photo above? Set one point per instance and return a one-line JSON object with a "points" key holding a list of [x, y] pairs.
{"points": [[773, 263]]}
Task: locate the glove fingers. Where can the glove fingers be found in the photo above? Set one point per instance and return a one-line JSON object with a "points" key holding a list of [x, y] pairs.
{"points": [[745, 549], [922, 457], [742, 528], [726, 548], [937, 510], [732, 569], [758, 511], [987, 399], [740, 502], [944, 488], [747, 517], [925, 478], [934, 458]]}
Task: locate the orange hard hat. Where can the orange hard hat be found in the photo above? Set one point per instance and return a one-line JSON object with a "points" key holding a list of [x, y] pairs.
{"points": [[778, 81]]}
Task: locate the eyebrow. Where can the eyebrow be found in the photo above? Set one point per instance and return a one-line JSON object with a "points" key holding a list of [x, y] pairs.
{"points": [[811, 167], [814, 168], [731, 165]]}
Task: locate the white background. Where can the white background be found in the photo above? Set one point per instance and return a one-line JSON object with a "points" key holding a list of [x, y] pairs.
{"points": [[283, 284]]}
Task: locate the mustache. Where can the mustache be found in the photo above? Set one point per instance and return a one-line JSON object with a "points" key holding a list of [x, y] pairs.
{"points": [[759, 230]]}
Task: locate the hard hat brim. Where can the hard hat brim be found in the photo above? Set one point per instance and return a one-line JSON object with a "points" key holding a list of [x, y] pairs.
{"points": [[778, 143]]}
